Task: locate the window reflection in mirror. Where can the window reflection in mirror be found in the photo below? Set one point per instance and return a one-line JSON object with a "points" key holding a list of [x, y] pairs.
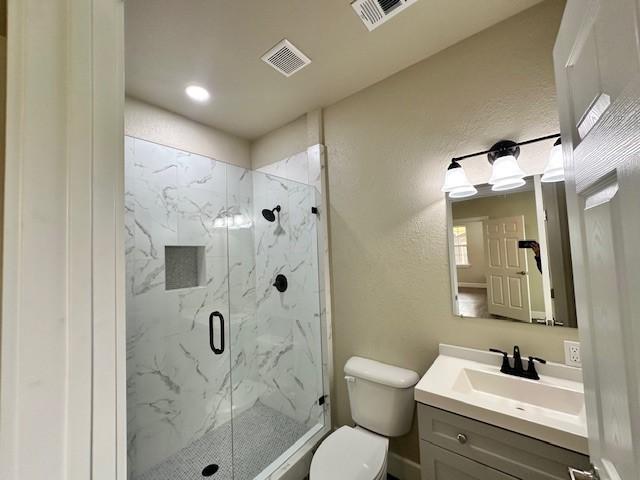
{"points": [[510, 255]]}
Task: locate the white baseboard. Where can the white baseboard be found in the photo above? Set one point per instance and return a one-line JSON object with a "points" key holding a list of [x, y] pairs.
{"points": [[403, 468], [538, 315], [472, 285]]}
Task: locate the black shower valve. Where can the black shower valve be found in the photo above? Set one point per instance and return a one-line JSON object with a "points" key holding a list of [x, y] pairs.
{"points": [[281, 283]]}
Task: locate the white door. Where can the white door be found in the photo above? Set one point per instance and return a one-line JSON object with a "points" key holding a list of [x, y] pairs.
{"points": [[507, 273], [597, 67]]}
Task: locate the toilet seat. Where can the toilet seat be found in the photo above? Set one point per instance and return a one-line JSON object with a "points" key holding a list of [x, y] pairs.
{"points": [[350, 454]]}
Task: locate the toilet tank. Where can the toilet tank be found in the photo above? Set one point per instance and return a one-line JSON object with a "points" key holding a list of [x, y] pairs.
{"points": [[380, 395]]}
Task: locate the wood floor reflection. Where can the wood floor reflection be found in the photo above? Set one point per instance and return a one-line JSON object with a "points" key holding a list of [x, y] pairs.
{"points": [[472, 302]]}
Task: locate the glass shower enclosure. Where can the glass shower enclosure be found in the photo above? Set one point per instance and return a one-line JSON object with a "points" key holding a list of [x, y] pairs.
{"points": [[224, 344]]}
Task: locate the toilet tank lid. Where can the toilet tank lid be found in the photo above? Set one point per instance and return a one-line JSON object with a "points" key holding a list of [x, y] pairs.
{"points": [[381, 373]]}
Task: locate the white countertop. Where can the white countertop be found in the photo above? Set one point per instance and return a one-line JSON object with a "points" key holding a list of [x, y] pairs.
{"points": [[550, 409]]}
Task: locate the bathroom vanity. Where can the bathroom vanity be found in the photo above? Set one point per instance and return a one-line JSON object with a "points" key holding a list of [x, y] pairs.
{"points": [[478, 423]]}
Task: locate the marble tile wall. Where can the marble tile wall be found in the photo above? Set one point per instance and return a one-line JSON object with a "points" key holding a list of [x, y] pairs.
{"points": [[288, 338], [177, 390], [292, 319]]}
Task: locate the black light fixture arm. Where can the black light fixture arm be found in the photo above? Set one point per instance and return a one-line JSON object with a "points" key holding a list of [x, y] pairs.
{"points": [[494, 150]]}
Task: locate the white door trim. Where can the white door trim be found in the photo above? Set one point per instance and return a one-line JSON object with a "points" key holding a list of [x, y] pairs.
{"points": [[62, 403], [544, 250], [453, 271]]}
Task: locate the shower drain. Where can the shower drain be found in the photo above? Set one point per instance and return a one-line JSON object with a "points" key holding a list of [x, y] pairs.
{"points": [[209, 470]]}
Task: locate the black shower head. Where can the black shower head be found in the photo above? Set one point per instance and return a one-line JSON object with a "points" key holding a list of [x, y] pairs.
{"points": [[270, 215]]}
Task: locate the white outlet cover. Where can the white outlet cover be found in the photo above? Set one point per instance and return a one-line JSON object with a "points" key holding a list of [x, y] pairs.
{"points": [[572, 354]]}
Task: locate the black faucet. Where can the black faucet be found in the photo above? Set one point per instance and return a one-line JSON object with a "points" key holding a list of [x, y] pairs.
{"points": [[518, 370], [517, 362]]}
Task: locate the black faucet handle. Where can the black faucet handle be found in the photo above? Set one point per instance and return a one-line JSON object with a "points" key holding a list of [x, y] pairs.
{"points": [[531, 368], [506, 367], [537, 359]]}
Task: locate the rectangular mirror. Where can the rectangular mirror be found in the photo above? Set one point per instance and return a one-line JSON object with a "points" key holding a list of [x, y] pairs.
{"points": [[510, 255]]}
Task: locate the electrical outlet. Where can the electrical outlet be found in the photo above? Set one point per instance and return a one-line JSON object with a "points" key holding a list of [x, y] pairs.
{"points": [[572, 354]]}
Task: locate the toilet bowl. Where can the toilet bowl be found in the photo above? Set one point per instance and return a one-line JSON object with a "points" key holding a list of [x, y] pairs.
{"points": [[351, 454], [382, 405]]}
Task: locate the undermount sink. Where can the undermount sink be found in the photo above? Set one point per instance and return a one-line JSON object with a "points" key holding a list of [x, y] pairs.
{"points": [[468, 382], [529, 393]]}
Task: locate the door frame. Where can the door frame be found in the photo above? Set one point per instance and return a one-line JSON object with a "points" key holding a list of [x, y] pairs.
{"points": [[63, 331], [541, 217]]}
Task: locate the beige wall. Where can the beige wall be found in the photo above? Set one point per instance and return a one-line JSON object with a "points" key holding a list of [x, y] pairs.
{"points": [[388, 146], [149, 122], [475, 272], [280, 143], [523, 203]]}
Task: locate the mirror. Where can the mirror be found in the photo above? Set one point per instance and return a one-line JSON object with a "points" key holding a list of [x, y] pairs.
{"points": [[510, 255]]}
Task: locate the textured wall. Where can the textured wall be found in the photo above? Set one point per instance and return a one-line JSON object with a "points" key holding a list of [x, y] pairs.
{"points": [[149, 122], [388, 147], [281, 143]]}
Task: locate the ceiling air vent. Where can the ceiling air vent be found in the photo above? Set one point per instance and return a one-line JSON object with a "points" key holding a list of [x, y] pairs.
{"points": [[286, 58], [374, 13]]}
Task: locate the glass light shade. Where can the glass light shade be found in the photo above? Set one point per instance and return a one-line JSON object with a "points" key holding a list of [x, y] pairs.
{"points": [[455, 178], [506, 173], [554, 171], [464, 191], [508, 184]]}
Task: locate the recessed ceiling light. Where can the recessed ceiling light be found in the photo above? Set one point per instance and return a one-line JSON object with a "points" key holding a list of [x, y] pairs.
{"points": [[197, 93]]}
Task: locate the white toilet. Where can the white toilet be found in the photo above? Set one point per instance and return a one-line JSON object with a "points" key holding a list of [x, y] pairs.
{"points": [[381, 399]]}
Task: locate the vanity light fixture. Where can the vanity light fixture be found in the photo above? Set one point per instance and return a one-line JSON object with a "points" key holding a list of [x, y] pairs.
{"points": [[506, 174], [554, 171], [456, 183], [197, 93]]}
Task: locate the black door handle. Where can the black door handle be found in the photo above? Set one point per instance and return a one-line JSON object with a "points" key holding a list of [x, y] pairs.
{"points": [[217, 351]]}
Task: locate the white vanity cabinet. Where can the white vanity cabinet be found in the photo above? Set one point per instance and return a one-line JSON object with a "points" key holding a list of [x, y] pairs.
{"points": [[454, 447]]}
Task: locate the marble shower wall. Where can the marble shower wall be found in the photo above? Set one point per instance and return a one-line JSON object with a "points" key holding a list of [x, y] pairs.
{"points": [[177, 390], [289, 339]]}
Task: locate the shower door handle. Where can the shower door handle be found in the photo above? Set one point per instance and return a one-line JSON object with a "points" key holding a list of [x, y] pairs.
{"points": [[216, 350]]}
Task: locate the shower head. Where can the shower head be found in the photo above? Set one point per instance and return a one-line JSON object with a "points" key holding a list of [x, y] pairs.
{"points": [[269, 215]]}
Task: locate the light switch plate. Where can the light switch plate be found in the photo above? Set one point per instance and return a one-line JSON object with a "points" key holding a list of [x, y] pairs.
{"points": [[572, 354]]}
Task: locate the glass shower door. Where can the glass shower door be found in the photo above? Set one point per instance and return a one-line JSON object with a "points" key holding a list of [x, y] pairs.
{"points": [[178, 360], [275, 320]]}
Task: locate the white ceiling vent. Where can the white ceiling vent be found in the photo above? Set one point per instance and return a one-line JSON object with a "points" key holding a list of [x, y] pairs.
{"points": [[374, 13], [286, 58]]}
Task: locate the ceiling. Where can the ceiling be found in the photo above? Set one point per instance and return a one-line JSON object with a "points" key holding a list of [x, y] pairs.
{"points": [[218, 44]]}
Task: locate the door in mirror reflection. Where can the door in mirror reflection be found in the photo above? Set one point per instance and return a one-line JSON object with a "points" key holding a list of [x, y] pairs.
{"points": [[506, 270]]}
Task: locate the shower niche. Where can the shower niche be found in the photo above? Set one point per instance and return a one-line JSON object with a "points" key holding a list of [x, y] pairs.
{"points": [[184, 267], [198, 244]]}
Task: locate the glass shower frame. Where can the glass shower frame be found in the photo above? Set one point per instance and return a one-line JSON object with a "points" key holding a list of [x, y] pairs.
{"points": [[268, 337]]}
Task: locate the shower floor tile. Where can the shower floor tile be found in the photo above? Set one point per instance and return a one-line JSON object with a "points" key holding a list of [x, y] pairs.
{"points": [[260, 435]]}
